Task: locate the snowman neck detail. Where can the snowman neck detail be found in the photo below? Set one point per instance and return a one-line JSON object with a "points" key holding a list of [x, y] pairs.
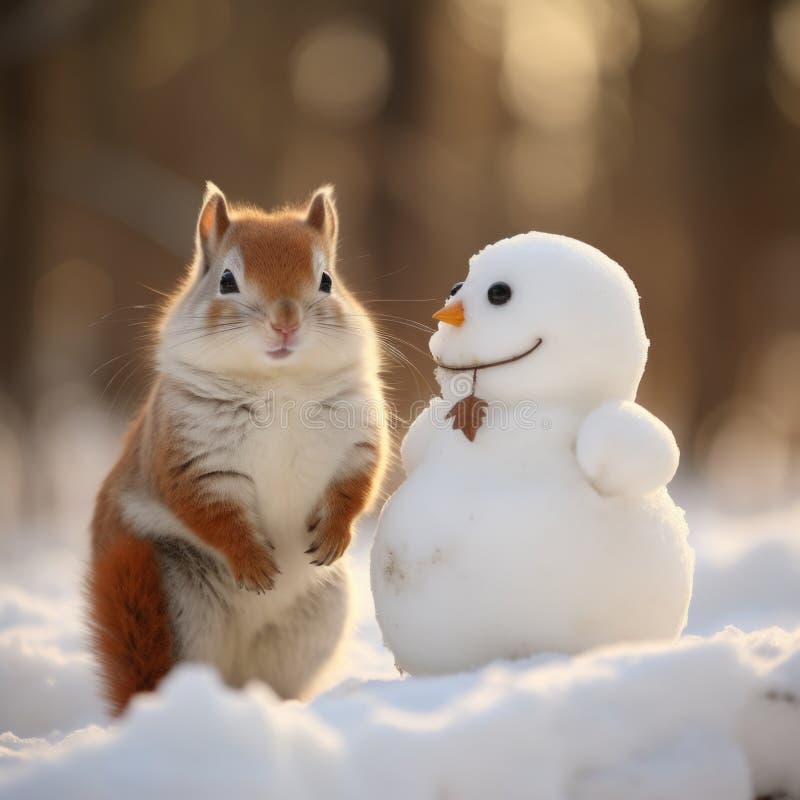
{"points": [[469, 412], [475, 367]]}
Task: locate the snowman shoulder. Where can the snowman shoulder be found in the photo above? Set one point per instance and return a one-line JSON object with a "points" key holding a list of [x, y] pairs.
{"points": [[624, 450], [420, 433]]}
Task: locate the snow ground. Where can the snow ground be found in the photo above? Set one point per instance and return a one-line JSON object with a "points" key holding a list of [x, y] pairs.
{"points": [[716, 715]]}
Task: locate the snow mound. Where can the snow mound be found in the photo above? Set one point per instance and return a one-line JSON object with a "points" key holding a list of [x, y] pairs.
{"points": [[748, 571], [46, 680], [714, 717]]}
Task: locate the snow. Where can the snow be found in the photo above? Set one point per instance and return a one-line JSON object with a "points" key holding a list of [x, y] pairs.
{"points": [[582, 304], [710, 716], [623, 449], [501, 543], [714, 714]]}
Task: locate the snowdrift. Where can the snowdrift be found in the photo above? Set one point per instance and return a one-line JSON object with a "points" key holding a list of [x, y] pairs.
{"points": [[712, 716]]}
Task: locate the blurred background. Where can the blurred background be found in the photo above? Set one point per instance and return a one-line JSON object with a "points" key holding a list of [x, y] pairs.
{"points": [[664, 132]]}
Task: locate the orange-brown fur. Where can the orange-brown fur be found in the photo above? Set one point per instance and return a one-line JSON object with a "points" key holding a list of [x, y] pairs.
{"points": [[280, 270], [332, 527], [130, 623], [220, 523]]}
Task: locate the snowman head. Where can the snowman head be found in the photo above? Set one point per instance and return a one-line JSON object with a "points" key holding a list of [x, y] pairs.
{"points": [[545, 318]]}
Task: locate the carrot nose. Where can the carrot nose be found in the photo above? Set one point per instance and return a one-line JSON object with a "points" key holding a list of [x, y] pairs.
{"points": [[452, 314]]}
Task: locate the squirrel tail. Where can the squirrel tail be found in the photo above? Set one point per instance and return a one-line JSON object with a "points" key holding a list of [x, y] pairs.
{"points": [[129, 618]]}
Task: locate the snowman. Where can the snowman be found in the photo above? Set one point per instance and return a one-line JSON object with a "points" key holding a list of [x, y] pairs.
{"points": [[534, 515]]}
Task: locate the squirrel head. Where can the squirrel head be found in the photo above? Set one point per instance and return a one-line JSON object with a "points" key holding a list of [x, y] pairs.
{"points": [[262, 294]]}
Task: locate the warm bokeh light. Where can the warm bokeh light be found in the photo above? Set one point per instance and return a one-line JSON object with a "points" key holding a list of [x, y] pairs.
{"points": [[341, 72], [666, 132], [554, 173], [551, 69], [784, 76], [673, 22], [776, 381], [173, 34]]}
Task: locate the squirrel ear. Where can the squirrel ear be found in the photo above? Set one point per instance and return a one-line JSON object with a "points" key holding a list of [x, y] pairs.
{"points": [[211, 224], [321, 213]]}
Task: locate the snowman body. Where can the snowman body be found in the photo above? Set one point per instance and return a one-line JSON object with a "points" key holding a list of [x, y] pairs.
{"points": [[516, 553], [550, 530]]}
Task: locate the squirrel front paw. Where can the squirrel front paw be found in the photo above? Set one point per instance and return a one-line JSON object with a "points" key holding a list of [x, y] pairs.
{"points": [[331, 538], [254, 569]]}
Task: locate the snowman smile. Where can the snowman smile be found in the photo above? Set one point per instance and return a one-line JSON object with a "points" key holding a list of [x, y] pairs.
{"points": [[472, 367]]}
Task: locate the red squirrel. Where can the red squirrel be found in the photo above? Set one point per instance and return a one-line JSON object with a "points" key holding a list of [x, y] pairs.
{"points": [[218, 534]]}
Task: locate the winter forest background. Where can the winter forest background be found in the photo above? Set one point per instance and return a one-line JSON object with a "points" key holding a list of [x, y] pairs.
{"points": [[664, 132]]}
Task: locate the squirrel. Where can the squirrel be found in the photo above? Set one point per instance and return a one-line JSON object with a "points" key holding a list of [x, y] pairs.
{"points": [[218, 534]]}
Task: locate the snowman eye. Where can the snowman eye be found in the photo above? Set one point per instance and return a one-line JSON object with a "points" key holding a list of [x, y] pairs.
{"points": [[456, 287], [499, 293]]}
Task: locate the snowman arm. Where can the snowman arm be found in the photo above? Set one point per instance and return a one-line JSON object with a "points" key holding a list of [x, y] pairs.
{"points": [[624, 450], [419, 435]]}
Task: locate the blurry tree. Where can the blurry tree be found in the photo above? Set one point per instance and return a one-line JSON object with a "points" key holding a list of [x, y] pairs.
{"points": [[666, 132]]}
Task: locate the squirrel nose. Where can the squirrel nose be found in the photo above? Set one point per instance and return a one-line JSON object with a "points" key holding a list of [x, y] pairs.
{"points": [[286, 328], [285, 316]]}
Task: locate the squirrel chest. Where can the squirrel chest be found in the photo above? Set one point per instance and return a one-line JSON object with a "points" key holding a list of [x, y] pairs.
{"points": [[294, 448]]}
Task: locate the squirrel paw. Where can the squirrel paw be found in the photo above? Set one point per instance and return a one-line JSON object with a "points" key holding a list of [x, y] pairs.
{"points": [[331, 539], [255, 571]]}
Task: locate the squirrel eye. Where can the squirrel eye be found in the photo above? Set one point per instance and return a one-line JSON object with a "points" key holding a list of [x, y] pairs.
{"points": [[456, 287], [325, 283], [227, 283], [499, 293]]}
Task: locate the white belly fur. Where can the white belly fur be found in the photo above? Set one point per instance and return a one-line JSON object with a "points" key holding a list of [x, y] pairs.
{"points": [[291, 466]]}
